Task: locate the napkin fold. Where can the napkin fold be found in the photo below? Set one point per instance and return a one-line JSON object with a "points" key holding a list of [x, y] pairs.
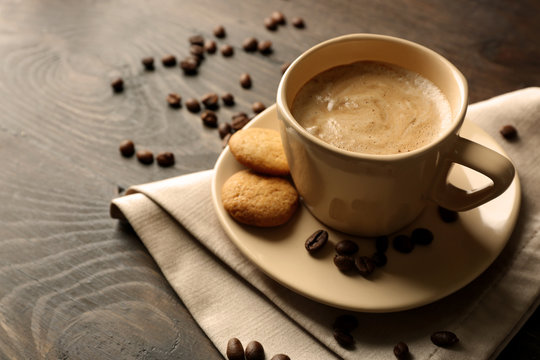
{"points": [[230, 297]]}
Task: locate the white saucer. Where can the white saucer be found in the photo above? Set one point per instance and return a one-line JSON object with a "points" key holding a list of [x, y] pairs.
{"points": [[459, 253]]}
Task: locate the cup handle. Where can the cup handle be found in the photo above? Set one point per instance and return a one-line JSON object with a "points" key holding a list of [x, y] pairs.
{"points": [[479, 158]]}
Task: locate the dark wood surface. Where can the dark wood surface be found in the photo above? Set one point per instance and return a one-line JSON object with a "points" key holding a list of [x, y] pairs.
{"points": [[75, 284]]}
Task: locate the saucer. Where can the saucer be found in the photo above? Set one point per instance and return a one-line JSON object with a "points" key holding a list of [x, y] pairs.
{"points": [[459, 253]]}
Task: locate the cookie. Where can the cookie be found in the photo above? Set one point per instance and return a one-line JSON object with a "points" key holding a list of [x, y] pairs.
{"points": [[259, 200], [260, 150]]}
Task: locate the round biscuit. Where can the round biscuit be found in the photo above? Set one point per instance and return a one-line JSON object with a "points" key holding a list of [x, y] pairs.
{"points": [[260, 150], [259, 200]]}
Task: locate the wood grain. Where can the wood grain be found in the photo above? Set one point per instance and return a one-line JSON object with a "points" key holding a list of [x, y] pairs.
{"points": [[75, 284]]}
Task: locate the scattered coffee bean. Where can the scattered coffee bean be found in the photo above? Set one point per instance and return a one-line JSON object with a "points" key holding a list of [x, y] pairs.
{"points": [[145, 157], [227, 50], [210, 46], [239, 120], [258, 107], [127, 148], [196, 40], [284, 67], [280, 357], [209, 118], [228, 99], [225, 140], [148, 63], [364, 265], [193, 105], [245, 81], [444, 338], [448, 216], [278, 17], [174, 100], [224, 129], [401, 351], [250, 44], [117, 85], [210, 101], [344, 263], [235, 350], [298, 22], [343, 338], [422, 236], [346, 322], [265, 47], [346, 247], [381, 243], [509, 132], [379, 259], [165, 159], [168, 60], [403, 244], [189, 65], [219, 32], [254, 351], [197, 51], [270, 24], [316, 241]]}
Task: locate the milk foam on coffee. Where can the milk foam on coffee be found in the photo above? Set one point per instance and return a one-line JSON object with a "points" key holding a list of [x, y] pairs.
{"points": [[372, 107]]}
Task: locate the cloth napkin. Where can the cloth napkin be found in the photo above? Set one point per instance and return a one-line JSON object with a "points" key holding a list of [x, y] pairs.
{"points": [[230, 297]]}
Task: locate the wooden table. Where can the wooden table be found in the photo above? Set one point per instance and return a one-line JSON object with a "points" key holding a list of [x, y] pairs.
{"points": [[75, 284]]}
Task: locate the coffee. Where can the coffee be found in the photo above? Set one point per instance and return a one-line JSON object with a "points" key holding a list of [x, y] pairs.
{"points": [[372, 107]]}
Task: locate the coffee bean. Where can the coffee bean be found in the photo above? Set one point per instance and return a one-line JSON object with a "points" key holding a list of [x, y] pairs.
{"points": [[422, 236], [196, 40], [245, 81], [509, 132], [403, 244], [444, 338], [270, 24], [239, 120], [278, 17], [209, 118], [224, 129], [284, 67], [346, 247], [265, 47], [401, 351], [298, 22], [145, 157], [193, 105], [343, 338], [197, 51], [127, 148], [346, 322], [210, 101], [148, 63], [316, 241], [280, 357], [225, 140], [381, 243], [379, 259], [117, 85], [448, 216], [254, 351], [168, 60], [344, 263], [219, 31], [258, 107], [210, 46], [228, 99], [174, 100], [250, 44], [227, 50], [165, 159], [364, 265], [189, 65], [235, 350]]}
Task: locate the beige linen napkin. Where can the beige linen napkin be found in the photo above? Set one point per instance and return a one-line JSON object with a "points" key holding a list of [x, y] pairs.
{"points": [[230, 297]]}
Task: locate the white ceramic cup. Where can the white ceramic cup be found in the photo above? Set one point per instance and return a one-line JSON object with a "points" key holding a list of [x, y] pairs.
{"points": [[373, 195]]}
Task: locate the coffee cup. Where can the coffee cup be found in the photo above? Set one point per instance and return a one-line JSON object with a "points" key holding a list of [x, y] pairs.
{"points": [[372, 194]]}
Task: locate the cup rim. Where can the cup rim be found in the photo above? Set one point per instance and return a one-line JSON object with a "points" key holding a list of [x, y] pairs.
{"points": [[453, 129]]}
